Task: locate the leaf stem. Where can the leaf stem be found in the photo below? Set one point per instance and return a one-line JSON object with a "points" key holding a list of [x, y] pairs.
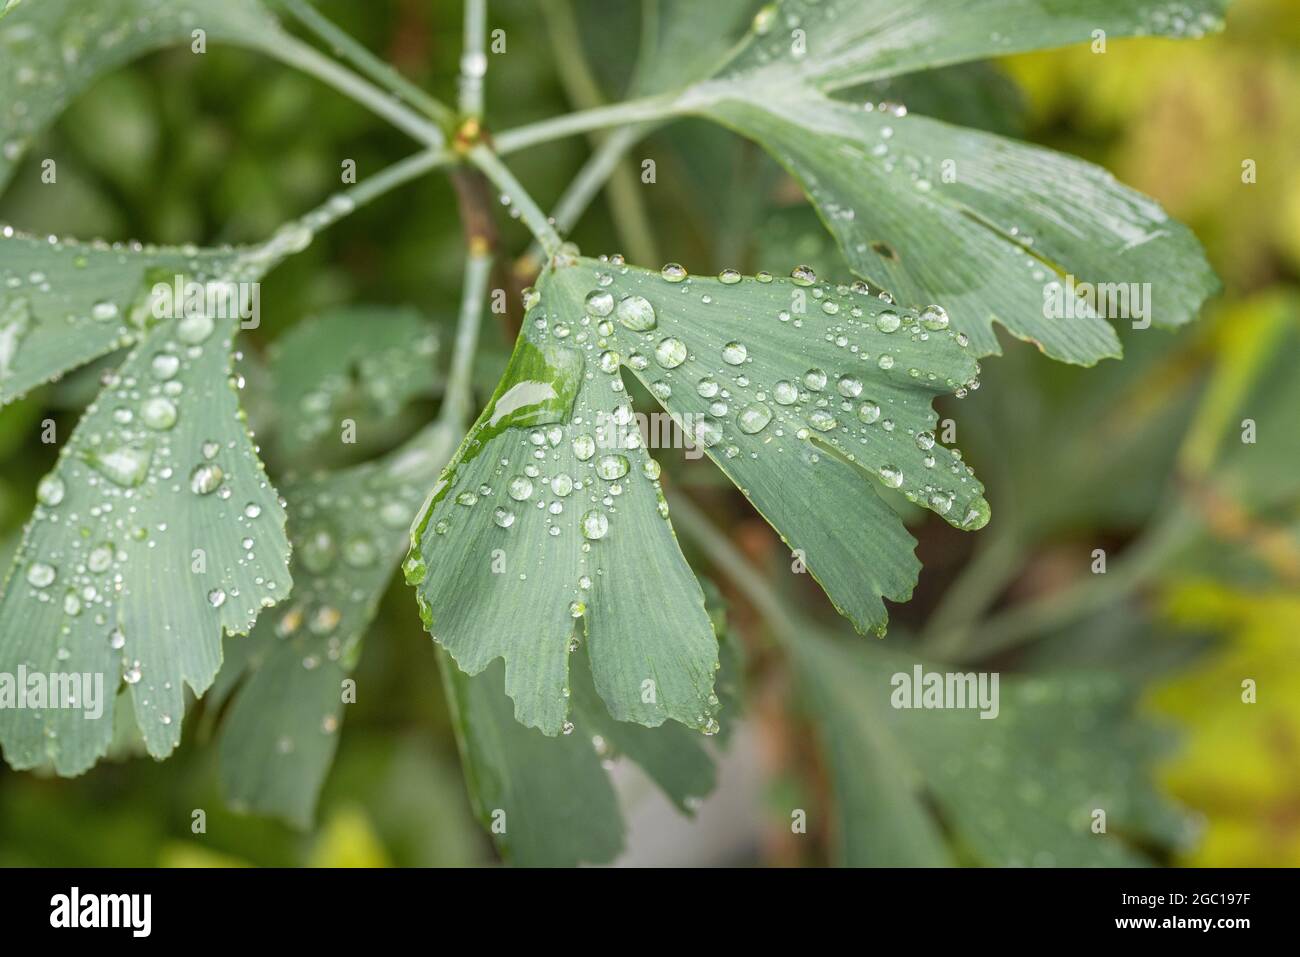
{"points": [[473, 59], [372, 66], [292, 51], [582, 190], [458, 400], [533, 217], [641, 110], [724, 554], [635, 231]]}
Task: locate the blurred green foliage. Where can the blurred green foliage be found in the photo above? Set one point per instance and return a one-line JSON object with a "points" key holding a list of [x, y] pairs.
{"points": [[1140, 457]]}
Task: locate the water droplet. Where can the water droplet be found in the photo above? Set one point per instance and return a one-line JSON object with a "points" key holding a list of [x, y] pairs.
{"points": [[158, 413], [609, 362], [594, 524], [785, 392], [192, 330], [104, 311], [754, 418], [673, 272], [707, 387], [670, 353], [164, 366], [803, 275], [611, 467], [577, 609], [599, 303], [41, 575], [562, 485], [520, 488], [50, 490], [891, 475], [868, 412], [849, 386], [734, 353], [651, 469], [815, 379], [584, 447], [100, 558], [359, 551], [821, 420], [205, 479], [503, 517], [729, 276], [253, 510], [925, 440], [124, 465], [934, 318], [888, 321], [217, 597], [636, 313], [116, 640]]}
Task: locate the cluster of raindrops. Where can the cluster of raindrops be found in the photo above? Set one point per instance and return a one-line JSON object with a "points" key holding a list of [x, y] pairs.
{"points": [[122, 511], [348, 535], [861, 390], [52, 59]]}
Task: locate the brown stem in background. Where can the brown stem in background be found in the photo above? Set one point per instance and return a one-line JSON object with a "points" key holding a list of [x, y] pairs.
{"points": [[474, 198]]}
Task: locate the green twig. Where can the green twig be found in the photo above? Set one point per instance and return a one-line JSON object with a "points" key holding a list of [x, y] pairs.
{"points": [[458, 400], [640, 110], [532, 215], [473, 59], [635, 231], [372, 66], [293, 52]]}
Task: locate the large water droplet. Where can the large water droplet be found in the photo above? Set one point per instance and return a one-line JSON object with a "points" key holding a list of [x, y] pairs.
{"points": [[734, 353], [206, 478], [41, 575], [124, 465], [612, 467], [754, 418], [670, 353], [594, 524], [636, 313], [158, 413]]}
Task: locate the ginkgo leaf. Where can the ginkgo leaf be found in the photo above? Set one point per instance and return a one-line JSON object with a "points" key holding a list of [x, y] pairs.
{"points": [[1023, 788], [50, 50], [806, 394], [63, 304], [363, 361], [992, 229], [533, 526], [156, 531], [548, 801], [350, 530], [685, 40], [831, 44]]}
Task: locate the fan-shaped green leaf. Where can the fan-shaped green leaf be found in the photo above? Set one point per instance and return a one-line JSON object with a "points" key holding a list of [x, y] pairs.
{"points": [[50, 50], [989, 227], [63, 304], [831, 44], [548, 801], [156, 531], [361, 361], [350, 531], [806, 394], [1020, 789], [532, 526]]}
